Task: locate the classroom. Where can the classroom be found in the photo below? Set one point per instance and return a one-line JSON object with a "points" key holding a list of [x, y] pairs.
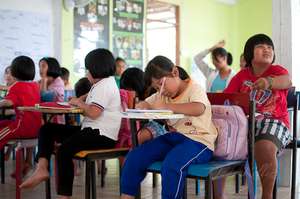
{"points": [[149, 99]]}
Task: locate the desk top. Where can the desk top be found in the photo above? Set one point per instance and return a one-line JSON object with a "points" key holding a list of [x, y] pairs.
{"points": [[51, 110], [153, 116]]}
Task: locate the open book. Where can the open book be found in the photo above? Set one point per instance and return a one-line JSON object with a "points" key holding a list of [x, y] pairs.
{"points": [[55, 105], [158, 111]]}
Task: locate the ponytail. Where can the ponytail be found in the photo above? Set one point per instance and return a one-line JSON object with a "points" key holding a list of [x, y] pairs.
{"points": [[229, 58]]}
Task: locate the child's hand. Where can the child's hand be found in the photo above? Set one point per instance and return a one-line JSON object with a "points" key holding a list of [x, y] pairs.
{"points": [[142, 105], [158, 104], [75, 101], [220, 44], [262, 83]]}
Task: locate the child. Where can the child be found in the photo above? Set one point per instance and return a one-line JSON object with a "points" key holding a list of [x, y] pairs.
{"points": [[65, 75], [268, 84], [120, 68], [242, 62], [23, 92], [8, 78], [192, 140], [217, 79], [82, 87], [51, 84], [99, 129]]}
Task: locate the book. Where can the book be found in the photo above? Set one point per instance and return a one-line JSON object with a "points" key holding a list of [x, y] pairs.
{"points": [[149, 111], [55, 105]]}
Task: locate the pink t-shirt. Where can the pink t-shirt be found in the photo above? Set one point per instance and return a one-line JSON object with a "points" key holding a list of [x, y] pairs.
{"points": [[272, 103]]}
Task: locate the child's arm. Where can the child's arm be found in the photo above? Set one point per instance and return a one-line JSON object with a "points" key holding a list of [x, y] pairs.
{"points": [[277, 82], [6, 103], [191, 108], [142, 105], [91, 111]]}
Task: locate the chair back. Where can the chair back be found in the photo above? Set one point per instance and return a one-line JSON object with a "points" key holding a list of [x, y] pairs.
{"points": [[292, 105]]}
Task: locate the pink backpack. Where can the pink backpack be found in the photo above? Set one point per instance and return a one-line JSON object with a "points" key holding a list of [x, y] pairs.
{"points": [[232, 125]]}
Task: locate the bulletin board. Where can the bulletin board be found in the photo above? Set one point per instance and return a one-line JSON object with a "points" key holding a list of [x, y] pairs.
{"points": [[23, 33], [91, 31]]}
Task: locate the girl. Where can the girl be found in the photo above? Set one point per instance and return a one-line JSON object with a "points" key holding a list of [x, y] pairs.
{"points": [[267, 84], [51, 84], [23, 92], [8, 78], [218, 79], [99, 129], [191, 141]]}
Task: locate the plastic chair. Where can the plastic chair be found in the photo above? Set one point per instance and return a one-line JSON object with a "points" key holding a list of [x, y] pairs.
{"points": [[217, 169]]}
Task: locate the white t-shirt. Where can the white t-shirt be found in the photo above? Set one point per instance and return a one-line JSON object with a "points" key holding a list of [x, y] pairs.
{"points": [[105, 94]]}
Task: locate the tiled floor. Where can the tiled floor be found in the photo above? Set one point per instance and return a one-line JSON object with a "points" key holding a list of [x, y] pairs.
{"points": [[111, 189]]}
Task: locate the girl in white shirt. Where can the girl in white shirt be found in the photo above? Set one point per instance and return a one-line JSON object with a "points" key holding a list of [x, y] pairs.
{"points": [[99, 129]]}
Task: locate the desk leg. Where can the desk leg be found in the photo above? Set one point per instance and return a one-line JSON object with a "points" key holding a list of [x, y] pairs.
{"points": [[133, 132]]}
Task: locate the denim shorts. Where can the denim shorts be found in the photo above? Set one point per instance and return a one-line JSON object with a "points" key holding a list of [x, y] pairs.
{"points": [[155, 128]]}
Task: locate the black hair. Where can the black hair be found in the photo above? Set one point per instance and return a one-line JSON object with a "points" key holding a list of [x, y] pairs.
{"points": [[157, 68], [133, 79], [250, 45], [8, 68], [183, 75], [82, 87], [100, 63], [22, 68], [65, 73], [53, 67], [222, 53], [120, 59]]}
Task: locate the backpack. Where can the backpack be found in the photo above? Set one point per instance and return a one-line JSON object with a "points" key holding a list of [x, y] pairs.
{"points": [[232, 125]]}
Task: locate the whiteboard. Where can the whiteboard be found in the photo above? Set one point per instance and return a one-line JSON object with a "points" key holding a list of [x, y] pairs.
{"points": [[23, 33]]}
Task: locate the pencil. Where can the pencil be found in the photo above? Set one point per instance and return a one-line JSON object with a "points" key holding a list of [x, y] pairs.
{"points": [[162, 86]]}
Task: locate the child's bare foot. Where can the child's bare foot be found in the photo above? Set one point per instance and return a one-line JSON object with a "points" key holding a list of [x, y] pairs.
{"points": [[25, 170], [37, 177]]}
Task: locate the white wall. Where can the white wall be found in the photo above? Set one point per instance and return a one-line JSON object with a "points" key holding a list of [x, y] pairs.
{"points": [[49, 7]]}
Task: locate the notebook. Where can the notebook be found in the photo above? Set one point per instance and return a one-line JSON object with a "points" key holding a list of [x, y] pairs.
{"points": [[56, 105], [158, 111]]}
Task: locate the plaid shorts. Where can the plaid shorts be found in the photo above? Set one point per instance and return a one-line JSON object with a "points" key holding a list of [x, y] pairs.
{"points": [[155, 128], [273, 130]]}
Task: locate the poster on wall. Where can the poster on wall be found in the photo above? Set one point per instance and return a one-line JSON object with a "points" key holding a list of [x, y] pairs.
{"points": [[91, 31], [24, 33], [128, 18]]}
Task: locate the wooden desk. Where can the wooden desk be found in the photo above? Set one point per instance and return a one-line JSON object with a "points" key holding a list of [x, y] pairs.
{"points": [[134, 117], [51, 110]]}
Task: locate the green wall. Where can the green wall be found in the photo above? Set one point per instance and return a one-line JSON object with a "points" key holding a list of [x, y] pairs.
{"points": [[202, 23]]}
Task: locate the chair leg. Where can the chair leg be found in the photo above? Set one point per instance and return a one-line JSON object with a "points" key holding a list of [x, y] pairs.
{"points": [[243, 180], [2, 165], [19, 161], [48, 182], [93, 180], [237, 183], [184, 196], [154, 179], [87, 179], [197, 186], [102, 173], [208, 188], [294, 170], [275, 189]]}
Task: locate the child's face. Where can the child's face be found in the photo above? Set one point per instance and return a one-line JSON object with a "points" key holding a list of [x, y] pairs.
{"points": [[9, 79], [120, 67], [263, 54], [168, 85], [43, 68], [219, 62]]}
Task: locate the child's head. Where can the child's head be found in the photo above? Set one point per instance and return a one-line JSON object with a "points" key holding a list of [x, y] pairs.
{"points": [[49, 67], [9, 79], [221, 58], [22, 68], [133, 79], [259, 49], [82, 87], [100, 64], [65, 75], [161, 72], [120, 66], [242, 61]]}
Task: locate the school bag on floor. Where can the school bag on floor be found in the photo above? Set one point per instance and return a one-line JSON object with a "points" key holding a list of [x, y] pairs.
{"points": [[232, 125]]}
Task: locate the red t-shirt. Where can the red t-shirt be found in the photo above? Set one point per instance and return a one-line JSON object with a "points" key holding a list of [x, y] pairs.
{"points": [[271, 104], [27, 123]]}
